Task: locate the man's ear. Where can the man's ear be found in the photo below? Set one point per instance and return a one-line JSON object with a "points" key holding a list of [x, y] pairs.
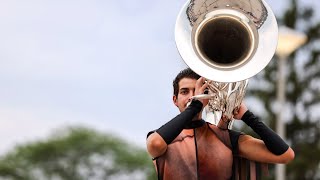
{"points": [[175, 100]]}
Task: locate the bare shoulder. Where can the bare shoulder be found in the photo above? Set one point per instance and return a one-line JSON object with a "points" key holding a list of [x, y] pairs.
{"points": [[245, 137]]}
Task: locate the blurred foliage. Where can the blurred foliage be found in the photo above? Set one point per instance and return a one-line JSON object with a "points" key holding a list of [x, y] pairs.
{"points": [[77, 153], [302, 93]]}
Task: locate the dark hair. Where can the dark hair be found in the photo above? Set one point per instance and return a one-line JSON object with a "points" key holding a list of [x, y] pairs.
{"points": [[186, 73]]}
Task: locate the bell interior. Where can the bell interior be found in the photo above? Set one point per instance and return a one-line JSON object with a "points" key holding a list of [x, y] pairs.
{"points": [[225, 41]]}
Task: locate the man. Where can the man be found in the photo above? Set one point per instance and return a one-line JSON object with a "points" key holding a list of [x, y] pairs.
{"points": [[189, 148]]}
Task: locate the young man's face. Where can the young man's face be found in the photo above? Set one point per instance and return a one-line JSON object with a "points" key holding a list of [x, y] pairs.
{"points": [[186, 91]]}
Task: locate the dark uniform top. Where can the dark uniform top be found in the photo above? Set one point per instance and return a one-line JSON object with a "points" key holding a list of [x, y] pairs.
{"points": [[206, 154]]}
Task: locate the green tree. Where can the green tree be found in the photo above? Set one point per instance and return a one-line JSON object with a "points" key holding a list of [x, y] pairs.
{"points": [[77, 154], [302, 93]]}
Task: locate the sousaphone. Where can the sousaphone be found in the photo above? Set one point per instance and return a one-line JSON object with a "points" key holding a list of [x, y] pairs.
{"points": [[227, 42]]}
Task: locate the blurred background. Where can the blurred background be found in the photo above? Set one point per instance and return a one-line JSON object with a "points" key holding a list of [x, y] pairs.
{"points": [[83, 82]]}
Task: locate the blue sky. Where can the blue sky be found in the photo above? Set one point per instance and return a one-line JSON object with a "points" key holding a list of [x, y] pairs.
{"points": [[107, 65]]}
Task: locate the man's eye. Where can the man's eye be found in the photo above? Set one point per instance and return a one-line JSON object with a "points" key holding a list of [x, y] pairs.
{"points": [[184, 92]]}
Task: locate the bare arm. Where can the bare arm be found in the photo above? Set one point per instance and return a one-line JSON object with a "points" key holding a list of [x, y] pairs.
{"points": [[271, 149], [158, 141], [255, 149], [156, 146]]}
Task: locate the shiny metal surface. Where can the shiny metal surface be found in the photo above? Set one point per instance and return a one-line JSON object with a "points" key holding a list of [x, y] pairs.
{"points": [[223, 41], [264, 42], [224, 99], [227, 42]]}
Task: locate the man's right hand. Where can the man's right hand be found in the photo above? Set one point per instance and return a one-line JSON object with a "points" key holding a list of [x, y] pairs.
{"points": [[200, 87]]}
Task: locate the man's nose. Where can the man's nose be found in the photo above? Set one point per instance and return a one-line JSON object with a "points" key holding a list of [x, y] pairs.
{"points": [[191, 93]]}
